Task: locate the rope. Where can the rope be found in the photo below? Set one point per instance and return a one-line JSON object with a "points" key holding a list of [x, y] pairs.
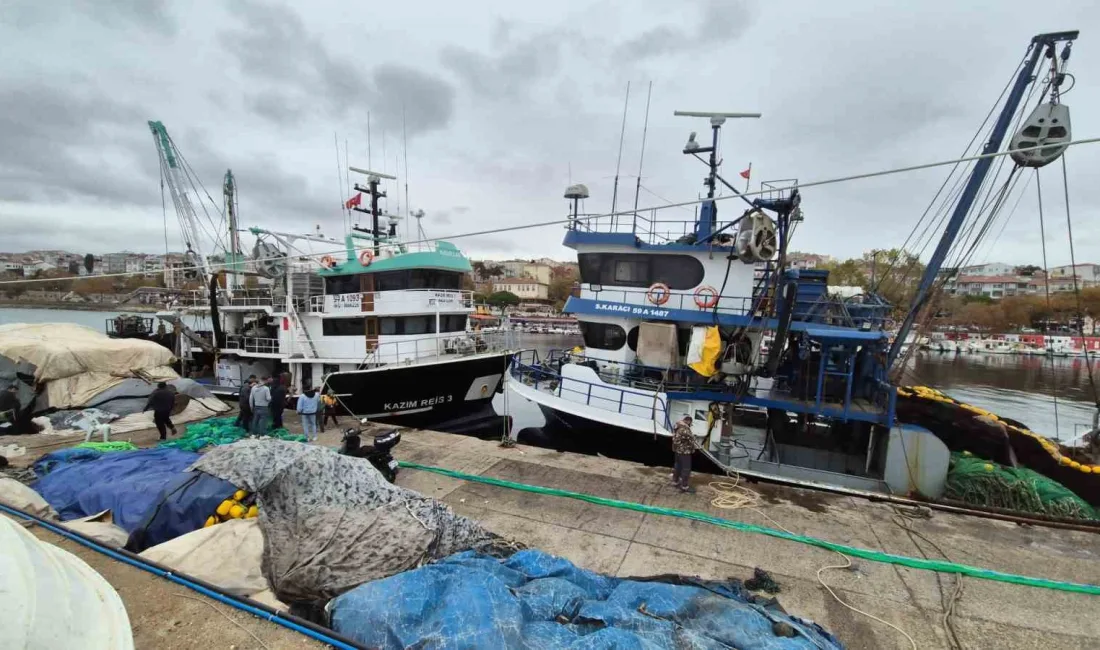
{"points": [[734, 496], [227, 617], [903, 518], [1076, 288], [1046, 288], [855, 551], [566, 221]]}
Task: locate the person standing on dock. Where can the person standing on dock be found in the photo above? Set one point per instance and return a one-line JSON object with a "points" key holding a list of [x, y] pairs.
{"points": [[259, 399], [329, 401], [162, 400], [244, 415], [683, 445], [308, 405], [278, 402]]}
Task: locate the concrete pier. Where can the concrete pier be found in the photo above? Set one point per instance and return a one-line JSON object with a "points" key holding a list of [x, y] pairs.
{"points": [[628, 543]]}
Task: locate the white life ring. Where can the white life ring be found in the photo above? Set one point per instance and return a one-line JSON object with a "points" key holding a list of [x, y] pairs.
{"points": [[328, 262], [366, 257]]}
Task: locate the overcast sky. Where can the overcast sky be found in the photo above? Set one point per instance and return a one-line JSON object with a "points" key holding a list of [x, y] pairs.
{"points": [[506, 103]]}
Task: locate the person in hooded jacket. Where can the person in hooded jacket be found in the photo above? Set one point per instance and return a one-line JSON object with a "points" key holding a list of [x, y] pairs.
{"points": [[278, 402], [162, 400]]}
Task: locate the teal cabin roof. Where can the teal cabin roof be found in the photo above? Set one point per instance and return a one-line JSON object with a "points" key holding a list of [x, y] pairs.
{"points": [[445, 256]]}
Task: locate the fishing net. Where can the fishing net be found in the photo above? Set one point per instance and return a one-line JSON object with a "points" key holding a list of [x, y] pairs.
{"points": [[220, 431], [121, 445], [981, 482]]}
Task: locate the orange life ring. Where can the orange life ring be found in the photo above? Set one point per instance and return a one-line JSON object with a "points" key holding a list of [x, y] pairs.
{"points": [[328, 262], [366, 257], [658, 294], [706, 297]]}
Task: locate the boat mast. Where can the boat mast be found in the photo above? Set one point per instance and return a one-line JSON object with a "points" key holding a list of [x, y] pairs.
{"points": [[1038, 45], [708, 216], [234, 257], [373, 180]]}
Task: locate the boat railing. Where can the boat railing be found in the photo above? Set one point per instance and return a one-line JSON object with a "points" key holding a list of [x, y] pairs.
{"points": [[527, 368], [254, 344], [454, 344], [393, 301], [645, 225], [686, 301], [240, 298]]}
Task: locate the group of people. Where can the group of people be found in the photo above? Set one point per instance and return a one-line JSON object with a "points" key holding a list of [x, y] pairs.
{"points": [[263, 400]]}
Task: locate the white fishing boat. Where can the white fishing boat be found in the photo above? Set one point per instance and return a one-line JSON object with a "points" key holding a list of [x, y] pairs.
{"points": [[380, 323]]}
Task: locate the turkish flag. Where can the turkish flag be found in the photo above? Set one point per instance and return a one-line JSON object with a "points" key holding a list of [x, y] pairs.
{"points": [[355, 201], [745, 174]]}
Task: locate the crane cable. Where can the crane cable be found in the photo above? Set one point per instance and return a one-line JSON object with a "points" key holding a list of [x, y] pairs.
{"points": [[951, 173], [1050, 309], [1076, 288]]}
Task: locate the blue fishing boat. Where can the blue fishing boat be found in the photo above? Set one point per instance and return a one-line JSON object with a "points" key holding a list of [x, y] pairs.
{"points": [[704, 318]]}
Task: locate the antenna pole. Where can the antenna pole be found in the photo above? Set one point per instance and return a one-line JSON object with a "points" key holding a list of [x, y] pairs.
{"points": [[405, 138], [619, 162], [384, 164], [641, 156], [340, 179], [347, 177]]}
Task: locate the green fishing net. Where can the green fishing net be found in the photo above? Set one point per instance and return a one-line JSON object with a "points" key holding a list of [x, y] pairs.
{"points": [[108, 446], [220, 431], [981, 482]]}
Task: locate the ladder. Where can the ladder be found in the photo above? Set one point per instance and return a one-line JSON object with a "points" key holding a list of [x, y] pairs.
{"points": [[301, 333]]}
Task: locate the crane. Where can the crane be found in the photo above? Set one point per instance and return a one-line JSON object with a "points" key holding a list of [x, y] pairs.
{"points": [[176, 178]]}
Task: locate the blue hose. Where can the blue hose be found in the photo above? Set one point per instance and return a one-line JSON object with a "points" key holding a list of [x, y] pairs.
{"points": [[232, 602]]}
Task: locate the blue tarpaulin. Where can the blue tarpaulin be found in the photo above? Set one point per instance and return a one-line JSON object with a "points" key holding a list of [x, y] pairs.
{"points": [[537, 600], [47, 463], [126, 482], [181, 507]]}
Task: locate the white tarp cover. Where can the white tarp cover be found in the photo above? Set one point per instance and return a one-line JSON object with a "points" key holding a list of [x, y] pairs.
{"points": [[227, 555], [52, 599], [22, 497], [77, 363], [101, 528]]}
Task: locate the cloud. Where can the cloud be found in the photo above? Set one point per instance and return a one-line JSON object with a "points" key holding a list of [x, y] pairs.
{"points": [[515, 64], [61, 141], [718, 23], [293, 75], [116, 14]]}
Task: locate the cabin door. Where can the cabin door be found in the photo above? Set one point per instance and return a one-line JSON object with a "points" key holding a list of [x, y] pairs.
{"points": [[372, 332], [366, 288]]}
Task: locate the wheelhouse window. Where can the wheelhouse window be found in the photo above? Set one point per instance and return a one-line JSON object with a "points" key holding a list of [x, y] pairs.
{"points": [[338, 284], [602, 336], [407, 325], [344, 327], [679, 272], [417, 279]]}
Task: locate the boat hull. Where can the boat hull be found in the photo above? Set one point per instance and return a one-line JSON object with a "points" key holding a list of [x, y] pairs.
{"points": [[424, 394]]}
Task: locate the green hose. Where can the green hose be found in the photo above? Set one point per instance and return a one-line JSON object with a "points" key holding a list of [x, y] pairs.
{"points": [[853, 551]]}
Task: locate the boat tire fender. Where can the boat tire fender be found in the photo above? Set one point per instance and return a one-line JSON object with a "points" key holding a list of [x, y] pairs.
{"points": [[658, 294]]}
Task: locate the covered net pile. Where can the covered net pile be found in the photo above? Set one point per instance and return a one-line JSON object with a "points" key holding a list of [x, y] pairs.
{"points": [[981, 482], [220, 431]]}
